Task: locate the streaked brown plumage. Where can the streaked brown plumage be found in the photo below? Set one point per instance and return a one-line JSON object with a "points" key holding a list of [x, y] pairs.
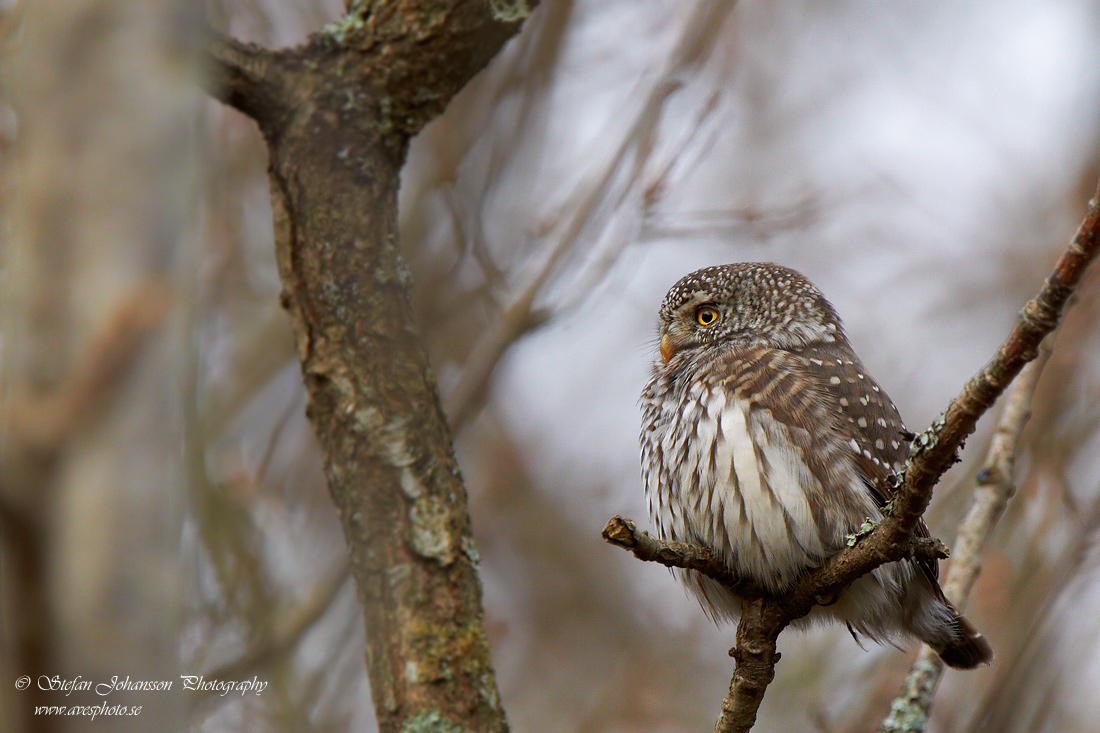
{"points": [[764, 439]]}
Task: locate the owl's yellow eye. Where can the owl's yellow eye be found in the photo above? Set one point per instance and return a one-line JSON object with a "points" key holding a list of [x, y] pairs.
{"points": [[706, 316]]}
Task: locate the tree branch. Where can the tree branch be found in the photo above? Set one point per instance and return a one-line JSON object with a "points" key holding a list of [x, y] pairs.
{"points": [[43, 422], [247, 78], [418, 55], [931, 454], [625, 534]]}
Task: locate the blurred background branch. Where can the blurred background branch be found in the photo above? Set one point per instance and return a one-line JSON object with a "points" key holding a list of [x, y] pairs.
{"points": [[97, 168]]}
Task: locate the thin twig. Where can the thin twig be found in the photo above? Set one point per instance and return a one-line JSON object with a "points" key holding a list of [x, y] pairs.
{"points": [[996, 484], [287, 628], [623, 533], [519, 316]]}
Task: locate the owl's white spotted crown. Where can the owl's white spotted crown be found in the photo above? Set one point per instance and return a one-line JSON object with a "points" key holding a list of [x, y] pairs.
{"points": [[760, 300]]}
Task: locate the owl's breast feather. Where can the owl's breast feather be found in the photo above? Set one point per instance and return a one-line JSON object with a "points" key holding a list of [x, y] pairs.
{"points": [[721, 473]]}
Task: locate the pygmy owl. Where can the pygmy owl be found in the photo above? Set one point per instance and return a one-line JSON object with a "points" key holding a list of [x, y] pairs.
{"points": [[765, 440]]}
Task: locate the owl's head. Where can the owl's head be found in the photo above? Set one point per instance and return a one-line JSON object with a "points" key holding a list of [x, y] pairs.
{"points": [[749, 304]]}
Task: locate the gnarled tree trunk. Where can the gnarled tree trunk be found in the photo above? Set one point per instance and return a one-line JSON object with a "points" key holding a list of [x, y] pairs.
{"points": [[337, 114]]}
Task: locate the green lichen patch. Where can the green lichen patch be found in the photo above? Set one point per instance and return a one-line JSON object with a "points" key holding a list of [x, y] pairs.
{"points": [[445, 650], [863, 531], [470, 551], [431, 529], [929, 438], [509, 11], [340, 29], [431, 721]]}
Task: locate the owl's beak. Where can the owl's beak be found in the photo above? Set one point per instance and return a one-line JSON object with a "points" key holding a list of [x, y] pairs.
{"points": [[667, 347]]}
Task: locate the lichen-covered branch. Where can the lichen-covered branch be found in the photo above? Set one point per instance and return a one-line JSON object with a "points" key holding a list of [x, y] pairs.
{"points": [[1036, 320], [337, 114], [931, 454], [996, 485]]}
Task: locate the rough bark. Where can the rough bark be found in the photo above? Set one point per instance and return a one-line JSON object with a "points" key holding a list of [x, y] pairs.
{"points": [[337, 114]]}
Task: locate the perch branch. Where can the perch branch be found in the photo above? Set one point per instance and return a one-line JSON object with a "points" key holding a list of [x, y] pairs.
{"points": [[934, 451], [625, 534]]}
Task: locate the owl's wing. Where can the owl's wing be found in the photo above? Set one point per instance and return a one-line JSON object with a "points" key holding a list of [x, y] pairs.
{"points": [[835, 416], [870, 421]]}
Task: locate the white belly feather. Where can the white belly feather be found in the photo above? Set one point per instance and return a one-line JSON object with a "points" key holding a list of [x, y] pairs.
{"points": [[748, 503]]}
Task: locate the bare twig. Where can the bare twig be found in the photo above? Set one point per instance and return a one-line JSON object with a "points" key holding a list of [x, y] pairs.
{"points": [[603, 195], [42, 422], [744, 221], [931, 454], [623, 533], [287, 629], [996, 485]]}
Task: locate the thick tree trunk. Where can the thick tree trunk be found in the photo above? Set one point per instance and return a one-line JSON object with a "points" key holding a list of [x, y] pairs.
{"points": [[337, 114]]}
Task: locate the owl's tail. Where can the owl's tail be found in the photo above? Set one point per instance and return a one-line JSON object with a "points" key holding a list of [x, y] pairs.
{"points": [[966, 648]]}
